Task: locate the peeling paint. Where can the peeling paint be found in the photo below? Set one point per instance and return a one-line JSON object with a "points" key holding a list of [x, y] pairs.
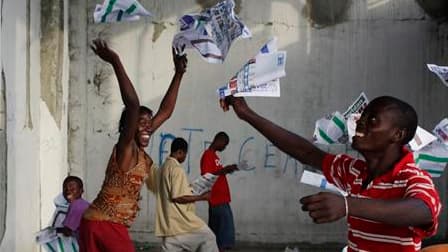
{"points": [[52, 47], [158, 29]]}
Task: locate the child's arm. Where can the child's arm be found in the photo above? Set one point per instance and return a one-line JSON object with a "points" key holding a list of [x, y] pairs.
{"points": [[65, 231]]}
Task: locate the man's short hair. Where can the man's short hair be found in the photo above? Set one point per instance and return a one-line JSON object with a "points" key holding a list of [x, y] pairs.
{"points": [[221, 136], [73, 178], [179, 144], [406, 117]]}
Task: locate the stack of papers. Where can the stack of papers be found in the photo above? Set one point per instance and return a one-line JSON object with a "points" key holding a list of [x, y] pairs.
{"points": [[204, 183], [210, 32], [260, 75]]}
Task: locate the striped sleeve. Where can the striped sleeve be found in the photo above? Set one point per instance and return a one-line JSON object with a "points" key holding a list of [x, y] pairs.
{"points": [[420, 186], [337, 169]]}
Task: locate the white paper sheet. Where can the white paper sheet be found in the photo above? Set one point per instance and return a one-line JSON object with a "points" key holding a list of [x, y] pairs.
{"points": [[204, 183], [211, 32], [260, 76], [440, 71], [318, 180], [357, 106], [421, 139], [120, 10]]}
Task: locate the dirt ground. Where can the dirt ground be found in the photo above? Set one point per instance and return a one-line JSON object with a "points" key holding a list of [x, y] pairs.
{"points": [[330, 247]]}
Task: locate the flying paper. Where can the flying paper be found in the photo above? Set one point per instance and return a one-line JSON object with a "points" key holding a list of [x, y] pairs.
{"points": [[119, 10], [260, 76], [440, 71], [210, 32]]}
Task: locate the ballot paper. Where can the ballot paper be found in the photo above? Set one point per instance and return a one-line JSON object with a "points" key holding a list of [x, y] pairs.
{"points": [[357, 106], [440, 71], [330, 129], [204, 183], [441, 131], [119, 10], [433, 158], [337, 128], [46, 235], [48, 238], [260, 76], [268, 89], [421, 139], [210, 32], [351, 125], [318, 180]]}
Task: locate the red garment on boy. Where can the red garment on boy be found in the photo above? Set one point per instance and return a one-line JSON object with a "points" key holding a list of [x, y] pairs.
{"points": [[405, 180], [220, 193]]}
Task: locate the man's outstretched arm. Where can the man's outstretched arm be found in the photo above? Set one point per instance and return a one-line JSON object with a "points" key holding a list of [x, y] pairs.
{"points": [[290, 143]]}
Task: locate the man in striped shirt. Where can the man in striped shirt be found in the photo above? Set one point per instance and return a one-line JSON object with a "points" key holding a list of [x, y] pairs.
{"points": [[391, 203]]}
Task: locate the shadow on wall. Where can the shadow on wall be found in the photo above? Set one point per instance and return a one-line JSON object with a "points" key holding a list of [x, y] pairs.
{"points": [[437, 9], [322, 13]]}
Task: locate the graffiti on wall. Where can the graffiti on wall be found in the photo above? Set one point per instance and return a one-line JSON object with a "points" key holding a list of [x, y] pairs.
{"points": [[250, 152]]}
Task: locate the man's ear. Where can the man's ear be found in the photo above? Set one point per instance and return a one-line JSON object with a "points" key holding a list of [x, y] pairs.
{"points": [[400, 135]]}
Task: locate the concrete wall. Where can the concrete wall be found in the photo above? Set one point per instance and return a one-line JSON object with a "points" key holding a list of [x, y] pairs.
{"points": [[36, 124], [377, 46]]}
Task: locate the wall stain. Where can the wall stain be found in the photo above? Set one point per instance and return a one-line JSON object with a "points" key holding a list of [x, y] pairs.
{"points": [[52, 46], [101, 74], [158, 29], [323, 13], [3, 150], [28, 119]]}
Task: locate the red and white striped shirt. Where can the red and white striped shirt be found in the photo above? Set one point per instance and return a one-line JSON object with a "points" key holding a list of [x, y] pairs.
{"points": [[405, 180]]}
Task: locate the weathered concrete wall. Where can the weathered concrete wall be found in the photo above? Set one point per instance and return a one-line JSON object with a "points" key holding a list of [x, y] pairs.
{"points": [[20, 64], [379, 47], [54, 102], [36, 124], [52, 48]]}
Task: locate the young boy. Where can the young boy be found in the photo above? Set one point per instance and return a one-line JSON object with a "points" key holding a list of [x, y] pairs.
{"points": [[62, 234], [72, 190], [220, 216], [391, 204]]}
